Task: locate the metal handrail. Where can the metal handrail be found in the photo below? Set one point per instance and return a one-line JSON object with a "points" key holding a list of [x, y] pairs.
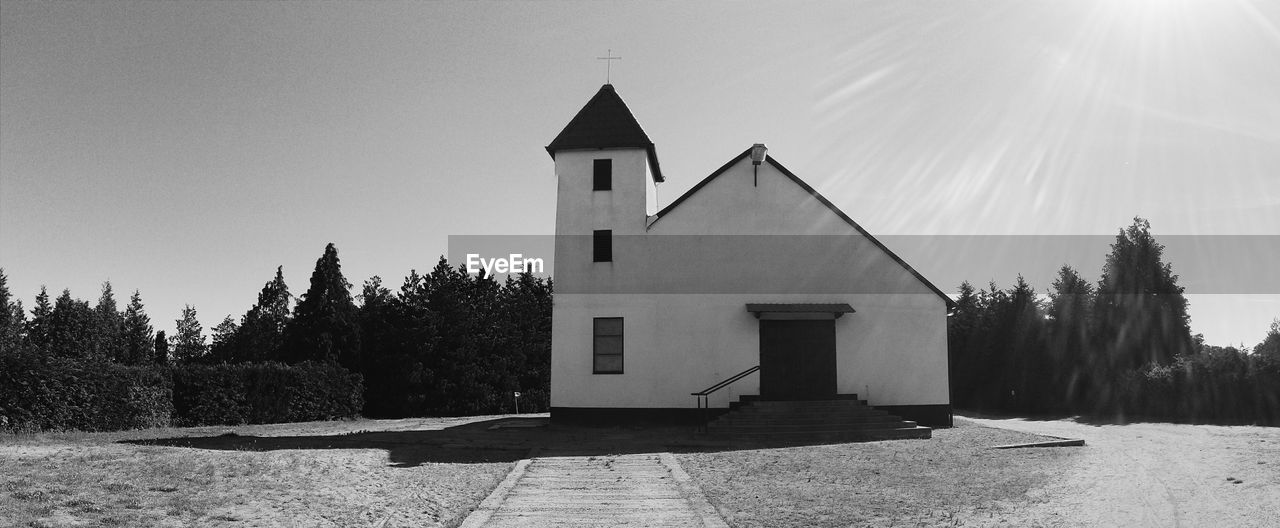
{"points": [[726, 382], [702, 396]]}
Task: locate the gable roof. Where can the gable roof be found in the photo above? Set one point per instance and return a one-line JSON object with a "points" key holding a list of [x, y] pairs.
{"points": [[821, 199], [605, 122]]}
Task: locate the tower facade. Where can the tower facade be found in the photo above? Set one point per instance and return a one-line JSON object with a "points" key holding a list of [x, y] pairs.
{"points": [[607, 173]]}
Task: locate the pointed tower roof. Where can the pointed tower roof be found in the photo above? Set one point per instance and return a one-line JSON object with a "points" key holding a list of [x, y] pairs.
{"points": [[605, 122]]}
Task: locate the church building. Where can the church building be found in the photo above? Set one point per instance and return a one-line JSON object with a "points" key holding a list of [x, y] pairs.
{"points": [[751, 283]]}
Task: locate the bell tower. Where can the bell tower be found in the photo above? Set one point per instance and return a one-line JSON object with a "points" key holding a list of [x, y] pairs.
{"points": [[607, 174]]}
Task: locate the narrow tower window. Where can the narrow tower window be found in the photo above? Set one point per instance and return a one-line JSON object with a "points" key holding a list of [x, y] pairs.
{"points": [[602, 179], [607, 345], [602, 245]]}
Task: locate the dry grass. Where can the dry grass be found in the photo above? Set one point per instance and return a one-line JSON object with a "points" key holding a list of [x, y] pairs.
{"points": [[955, 479], [312, 474], [433, 472]]}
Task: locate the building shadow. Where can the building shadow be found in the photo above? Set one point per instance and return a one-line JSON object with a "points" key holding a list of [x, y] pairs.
{"points": [[485, 441]]}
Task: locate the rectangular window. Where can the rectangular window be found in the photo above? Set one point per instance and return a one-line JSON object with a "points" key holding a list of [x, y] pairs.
{"points": [[607, 349], [602, 246], [602, 179]]}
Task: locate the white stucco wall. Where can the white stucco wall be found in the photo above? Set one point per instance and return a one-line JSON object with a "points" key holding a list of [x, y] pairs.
{"points": [[682, 285], [739, 203], [887, 352], [580, 210]]}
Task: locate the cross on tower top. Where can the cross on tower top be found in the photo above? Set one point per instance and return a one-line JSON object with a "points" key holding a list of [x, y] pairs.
{"points": [[608, 70]]}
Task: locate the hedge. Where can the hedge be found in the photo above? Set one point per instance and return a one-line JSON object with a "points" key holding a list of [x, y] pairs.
{"points": [[1206, 388], [60, 394], [39, 394], [264, 393]]}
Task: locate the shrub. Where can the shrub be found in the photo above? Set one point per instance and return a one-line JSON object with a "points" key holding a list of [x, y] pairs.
{"points": [[39, 394], [210, 394], [58, 393], [1217, 386], [264, 393]]}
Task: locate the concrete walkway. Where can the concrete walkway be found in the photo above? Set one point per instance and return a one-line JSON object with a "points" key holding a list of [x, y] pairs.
{"points": [[648, 489]]}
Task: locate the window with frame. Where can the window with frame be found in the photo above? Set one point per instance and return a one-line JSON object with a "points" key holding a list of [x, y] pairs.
{"points": [[602, 245], [606, 353], [602, 175]]}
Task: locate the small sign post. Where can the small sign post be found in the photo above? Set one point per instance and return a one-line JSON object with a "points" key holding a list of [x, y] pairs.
{"points": [[517, 393]]}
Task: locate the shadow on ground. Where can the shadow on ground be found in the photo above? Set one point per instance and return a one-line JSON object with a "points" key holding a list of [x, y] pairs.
{"points": [[494, 440]]}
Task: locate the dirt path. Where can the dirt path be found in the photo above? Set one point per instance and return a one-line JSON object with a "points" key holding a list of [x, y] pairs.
{"points": [[1157, 474], [609, 490]]}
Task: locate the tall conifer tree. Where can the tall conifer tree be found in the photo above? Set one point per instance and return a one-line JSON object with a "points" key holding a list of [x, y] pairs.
{"points": [[1068, 344], [39, 335], [1270, 345], [72, 328], [261, 333], [11, 319], [1140, 312], [962, 327], [108, 338], [139, 346], [526, 308], [324, 323], [188, 343], [161, 349], [224, 340], [376, 319], [1028, 371]]}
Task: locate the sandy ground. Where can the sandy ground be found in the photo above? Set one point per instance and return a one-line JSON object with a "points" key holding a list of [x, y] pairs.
{"points": [[432, 472], [1154, 474], [898, 483], [387, 473]]}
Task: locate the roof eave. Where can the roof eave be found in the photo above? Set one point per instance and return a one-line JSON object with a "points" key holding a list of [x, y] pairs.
{"points": [[650, 149]]}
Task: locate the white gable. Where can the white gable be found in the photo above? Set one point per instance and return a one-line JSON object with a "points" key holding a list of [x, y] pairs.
{"points": [[745, 230], [737, 201]]}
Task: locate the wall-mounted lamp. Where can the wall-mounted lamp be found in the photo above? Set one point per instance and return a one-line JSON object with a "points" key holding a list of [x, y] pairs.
{"points": [[758, 152]]}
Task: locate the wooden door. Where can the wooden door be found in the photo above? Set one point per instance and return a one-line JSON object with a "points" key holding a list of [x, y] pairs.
{"points": [[797, 359]]}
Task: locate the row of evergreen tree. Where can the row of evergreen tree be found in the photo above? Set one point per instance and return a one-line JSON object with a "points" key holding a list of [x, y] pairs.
{"points": [[1083, 348], [72, 328], [446, 343]]}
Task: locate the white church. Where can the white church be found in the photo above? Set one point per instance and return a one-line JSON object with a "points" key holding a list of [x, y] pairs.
{"points": [[751, 283]]}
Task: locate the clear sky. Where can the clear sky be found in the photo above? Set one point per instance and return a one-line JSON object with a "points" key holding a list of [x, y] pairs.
{"points": [[187, 149]]}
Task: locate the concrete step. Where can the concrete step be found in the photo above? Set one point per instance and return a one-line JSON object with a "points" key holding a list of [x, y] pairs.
{"points": [[815, 412], [799, 420], [788, 404], [831, 424], [790, 422], [751, 405], [808, 437], [799, 406], [795, 428], [756, 397]]}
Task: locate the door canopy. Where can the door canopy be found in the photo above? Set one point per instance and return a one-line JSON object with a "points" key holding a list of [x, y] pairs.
{"points": [[799, 310]]}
